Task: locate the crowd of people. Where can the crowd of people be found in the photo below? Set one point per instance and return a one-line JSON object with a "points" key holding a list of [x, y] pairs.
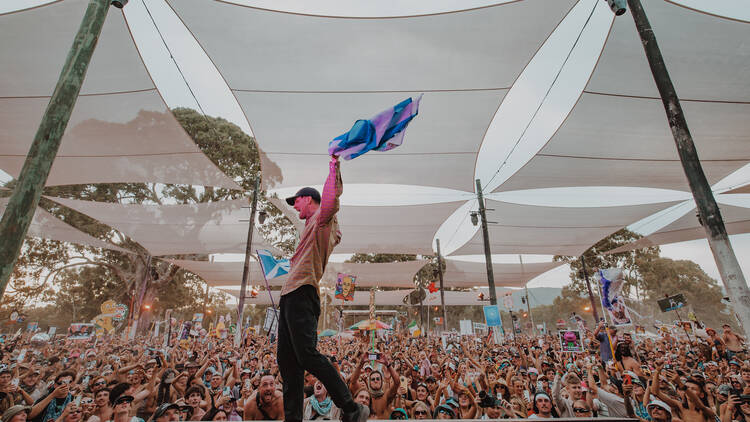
{"points": [[662, 379]]}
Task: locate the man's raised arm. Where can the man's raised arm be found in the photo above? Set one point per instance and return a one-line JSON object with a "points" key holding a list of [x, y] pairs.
{"points": [[329, 201]]}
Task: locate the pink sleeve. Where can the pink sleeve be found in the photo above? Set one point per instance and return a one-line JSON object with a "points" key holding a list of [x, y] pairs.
{"points": [[329, 202]]}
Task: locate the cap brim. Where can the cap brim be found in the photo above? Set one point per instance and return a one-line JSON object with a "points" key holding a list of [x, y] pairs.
{"points": [[291, 200]]}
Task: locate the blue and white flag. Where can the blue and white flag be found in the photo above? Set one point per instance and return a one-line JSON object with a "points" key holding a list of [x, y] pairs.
{"points": [[272, 267]]}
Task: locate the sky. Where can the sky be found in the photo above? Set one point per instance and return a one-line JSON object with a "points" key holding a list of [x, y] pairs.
{"points": [[209, 92]]}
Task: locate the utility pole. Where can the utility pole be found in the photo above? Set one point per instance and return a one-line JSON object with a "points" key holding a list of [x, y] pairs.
{"points": [[591, 295], [528, 305], [487, 253], [708, 210], [442, 289], [27, 192], [246, 267]]}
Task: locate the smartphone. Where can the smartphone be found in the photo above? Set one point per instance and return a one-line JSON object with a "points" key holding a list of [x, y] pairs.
{"points": [[21, 356], [248, 384], [526, 395], [158, 361], [628, 379], [226, 391], [373, 356], [78, 400], [15, 382]]}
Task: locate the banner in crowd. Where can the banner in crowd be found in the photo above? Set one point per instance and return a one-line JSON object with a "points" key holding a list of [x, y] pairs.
{"points": [[672, 303], [492, 316], [610, 283], [80, 331], [465, 327], [32, 326], [570, 341], [112, 313], [198, 317], [271, 321], [414, 329], [345, 284]]}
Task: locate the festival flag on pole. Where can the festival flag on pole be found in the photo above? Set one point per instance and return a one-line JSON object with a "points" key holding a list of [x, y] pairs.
{"points": [[380, 133], [414, 329], [345, 284], [272, 267], [610, 280]]}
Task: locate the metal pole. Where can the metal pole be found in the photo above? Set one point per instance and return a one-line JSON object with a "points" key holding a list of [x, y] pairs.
{"points": [[591, 294], [679, 318], [487, 253], [442, 289], [246, 266], [22, 204], [710, 216], [528, 305]]}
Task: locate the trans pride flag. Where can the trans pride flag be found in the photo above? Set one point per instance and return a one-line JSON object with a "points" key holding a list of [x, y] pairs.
{"points": [[381, 133]]}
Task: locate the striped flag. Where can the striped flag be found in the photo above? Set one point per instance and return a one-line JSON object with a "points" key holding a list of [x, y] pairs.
{"points": [[272, 267], [381, 133]]}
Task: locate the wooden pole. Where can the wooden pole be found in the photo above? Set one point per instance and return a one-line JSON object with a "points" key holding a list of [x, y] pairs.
{"points": [[708, 210], [246, 266], [486, 238], [442, 288], [27, 192]]}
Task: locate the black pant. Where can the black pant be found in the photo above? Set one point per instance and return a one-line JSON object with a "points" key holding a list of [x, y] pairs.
{"points": [[297, 352]]}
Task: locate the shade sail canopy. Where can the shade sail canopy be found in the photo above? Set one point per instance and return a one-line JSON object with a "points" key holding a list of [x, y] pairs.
{"points": [[385, 298], [348, 69], [464, 274], [120, 129], [736, 220], [553, 230], [405, 229], [625, 141], [396, 274], [46, 226], [214, 227]]}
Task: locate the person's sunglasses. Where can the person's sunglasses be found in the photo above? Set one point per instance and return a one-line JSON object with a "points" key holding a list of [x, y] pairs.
{"points": [[581, 410], [100, 383], [87, 400], [420, 412]]}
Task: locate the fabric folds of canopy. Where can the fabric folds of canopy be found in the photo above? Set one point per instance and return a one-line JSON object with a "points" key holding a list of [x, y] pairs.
{"points": [[383, 298], [687, 227], [396, 274], [405, 229], [463, 274], [214, 227], [618, 135], [553, 230], [120, 129], [46, 226], [348, 68]]}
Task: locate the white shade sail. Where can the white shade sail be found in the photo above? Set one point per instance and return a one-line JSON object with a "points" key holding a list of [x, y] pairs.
{"points": [[46, 226], [396, 274], [465, 274], [120, 129], [349, 69], [386, 298], [552, 230], [405, 229], [687, 227], [618, 134], [214, 227]]}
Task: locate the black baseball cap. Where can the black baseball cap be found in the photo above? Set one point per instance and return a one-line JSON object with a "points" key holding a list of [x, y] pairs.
{"points": [[162, 409], [311, 192]]}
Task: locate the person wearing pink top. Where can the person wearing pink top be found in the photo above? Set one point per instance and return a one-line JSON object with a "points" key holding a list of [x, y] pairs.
{"points": [[299, 307]]}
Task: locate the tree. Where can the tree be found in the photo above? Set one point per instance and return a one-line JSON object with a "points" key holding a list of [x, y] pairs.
{"points": [[596, 258], [136, 278]]}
